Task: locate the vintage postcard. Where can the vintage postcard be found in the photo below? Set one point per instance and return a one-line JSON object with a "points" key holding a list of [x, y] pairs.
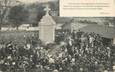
{"points": [[57, 36]]}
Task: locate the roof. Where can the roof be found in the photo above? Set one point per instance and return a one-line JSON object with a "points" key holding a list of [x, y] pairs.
{"points": [[108, 32]]}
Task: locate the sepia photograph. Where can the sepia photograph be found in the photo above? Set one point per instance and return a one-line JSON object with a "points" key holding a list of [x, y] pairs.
{"points": [[35, 38]]}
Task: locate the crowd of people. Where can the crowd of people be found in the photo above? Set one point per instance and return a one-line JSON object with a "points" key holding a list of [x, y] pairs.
{"points": [[78, 52], [89, 51]]}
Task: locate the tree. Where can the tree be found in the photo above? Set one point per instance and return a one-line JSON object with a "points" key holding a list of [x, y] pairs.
{"points": [[17, 15], [36, 12], [54, 5], [5, 6]]}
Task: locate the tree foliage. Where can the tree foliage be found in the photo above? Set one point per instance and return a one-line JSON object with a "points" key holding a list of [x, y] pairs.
{"points": [[17, 15], [5, 6], [36, 12]]}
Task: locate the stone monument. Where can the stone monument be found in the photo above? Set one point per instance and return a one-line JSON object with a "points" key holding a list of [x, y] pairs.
{"points": [[47, 27]]}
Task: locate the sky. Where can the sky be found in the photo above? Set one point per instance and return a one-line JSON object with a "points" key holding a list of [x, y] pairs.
{"points": [[32, 1]]}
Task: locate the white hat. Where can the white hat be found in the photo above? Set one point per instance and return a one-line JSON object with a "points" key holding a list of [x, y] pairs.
{"points": [[105, 71], [55, 71]]}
